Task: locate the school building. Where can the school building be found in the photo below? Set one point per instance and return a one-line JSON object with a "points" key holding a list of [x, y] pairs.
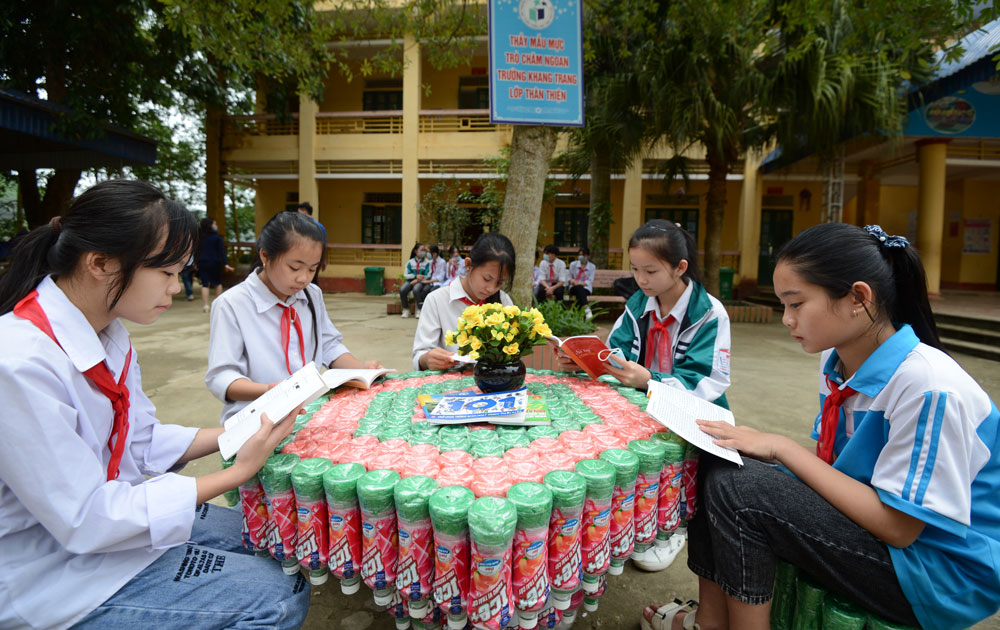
{"points": [[366, 156]]}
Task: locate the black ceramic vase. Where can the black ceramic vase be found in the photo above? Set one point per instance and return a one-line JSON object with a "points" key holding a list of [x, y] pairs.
{"points": [[499, 377]]}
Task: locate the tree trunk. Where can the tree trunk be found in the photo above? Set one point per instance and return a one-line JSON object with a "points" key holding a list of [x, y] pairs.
{"points": [[715, 207], [599, 217], [58, 193], [530, 151]]}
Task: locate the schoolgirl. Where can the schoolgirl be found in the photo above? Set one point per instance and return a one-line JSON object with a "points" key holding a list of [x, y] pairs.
{"points": [[436, 268], [896, 509], [456, 265], [552, 275], [490, 267], [275, 321], [97, 531], [415, 271], [581, 276], [211, 260]]}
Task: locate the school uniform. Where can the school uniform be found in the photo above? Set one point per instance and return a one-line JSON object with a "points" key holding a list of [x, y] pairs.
{"points": [[211, 259], [585, 274], [69, 537], [551, 273], [536, 277], [454, 269], [698, 329], [441, 311], [413, 268], [246, 339], [924, 434], [436, 271]]}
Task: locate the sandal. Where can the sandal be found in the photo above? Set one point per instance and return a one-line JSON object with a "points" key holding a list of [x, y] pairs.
{"points": [[663, 618]]}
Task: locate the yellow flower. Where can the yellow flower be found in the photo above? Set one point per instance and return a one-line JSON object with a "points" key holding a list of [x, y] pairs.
{"points": [[475, 343], [542, 329], [505, 325], [510, 337], [474, 355], [512, 310], [511, 350], [462, 339], [496, 334], [537, 316], [461, 323], [471, 311], [495, 319], [449, 338]]}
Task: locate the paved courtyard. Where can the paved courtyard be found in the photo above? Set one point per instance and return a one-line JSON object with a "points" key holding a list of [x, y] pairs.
{"points": [[774, 389]]}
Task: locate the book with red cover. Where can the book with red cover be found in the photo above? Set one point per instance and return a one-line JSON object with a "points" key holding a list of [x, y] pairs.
{"points": [[584, 351]]}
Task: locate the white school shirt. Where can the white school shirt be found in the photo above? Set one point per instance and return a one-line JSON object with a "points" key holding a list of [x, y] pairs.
{"points": [[588, 274], [69, 538], [454, 270], [559, 274], [926, 437], [536, 277], [439, 272], [245, 338], [442, 308], [674, 327]]}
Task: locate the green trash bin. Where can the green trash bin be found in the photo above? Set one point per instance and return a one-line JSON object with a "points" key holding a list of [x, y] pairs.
{"points": [[726, 283], [375, 280]]}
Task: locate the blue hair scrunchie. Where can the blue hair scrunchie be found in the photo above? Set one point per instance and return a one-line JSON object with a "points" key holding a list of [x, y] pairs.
{"points": [[886, 239]]}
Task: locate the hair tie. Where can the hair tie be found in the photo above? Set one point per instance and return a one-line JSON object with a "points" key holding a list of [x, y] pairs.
{"points": [[56, 224], [885, 239]]}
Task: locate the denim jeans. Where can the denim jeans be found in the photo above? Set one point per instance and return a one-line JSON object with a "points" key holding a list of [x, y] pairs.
{"points": [[750, 517], [186, 278], [210, 582]]}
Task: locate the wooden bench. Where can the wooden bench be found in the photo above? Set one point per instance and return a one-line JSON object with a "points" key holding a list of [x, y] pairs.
{"points": [[605, 279]]}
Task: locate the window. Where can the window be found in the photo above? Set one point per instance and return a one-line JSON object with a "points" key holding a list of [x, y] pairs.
{"points": [[381, 225], [382, 95], [292, 201], [474, 92], [571, 226], [687, 217]]}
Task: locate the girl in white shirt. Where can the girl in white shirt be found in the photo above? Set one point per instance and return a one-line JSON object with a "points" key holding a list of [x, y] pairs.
{"points": [[275, 321], [490, 266], [99, 531], [456, 265]]}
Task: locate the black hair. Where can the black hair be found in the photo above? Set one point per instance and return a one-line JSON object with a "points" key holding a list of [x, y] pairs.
{"points": [[413, 252], [130, 221], [551, 249], [205, 227], [670, 243], [305, 205], [490, 247], [434, 249], [584, 249], [277, 237], [454, 248], [836, 255]]}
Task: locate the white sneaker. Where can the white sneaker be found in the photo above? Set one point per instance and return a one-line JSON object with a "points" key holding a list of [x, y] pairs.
{"points": [[662, 554], [588, 313], [406, 313], [204, 309], [418, 313]]}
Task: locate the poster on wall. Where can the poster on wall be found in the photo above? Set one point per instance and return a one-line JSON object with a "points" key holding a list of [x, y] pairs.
{"points": [[536, 62], [973, 111], [977, 236]]}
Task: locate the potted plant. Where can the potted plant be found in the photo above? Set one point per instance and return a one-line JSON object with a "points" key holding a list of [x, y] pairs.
{"points": [[497, 336]]}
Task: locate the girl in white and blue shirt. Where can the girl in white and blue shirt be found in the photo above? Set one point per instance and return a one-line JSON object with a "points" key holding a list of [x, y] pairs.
{"points": [[97, 529], [897, 508], [275, 321]]}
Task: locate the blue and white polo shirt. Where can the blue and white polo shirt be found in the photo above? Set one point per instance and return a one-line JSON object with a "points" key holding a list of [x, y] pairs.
{"points": [[924, 434]]}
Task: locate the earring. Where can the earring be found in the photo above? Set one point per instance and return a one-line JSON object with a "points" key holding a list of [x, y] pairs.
{"points": [[854, 313]]}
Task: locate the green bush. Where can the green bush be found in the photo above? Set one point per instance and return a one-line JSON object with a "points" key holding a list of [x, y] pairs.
{"points": [[568, 319]]}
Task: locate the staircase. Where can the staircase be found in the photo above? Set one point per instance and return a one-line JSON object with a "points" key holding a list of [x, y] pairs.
{"points": [[977, 336]]}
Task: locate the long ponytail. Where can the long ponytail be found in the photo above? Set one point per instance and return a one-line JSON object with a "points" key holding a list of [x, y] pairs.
{"points": [[670, 243], [836, 255], [130, 221]]}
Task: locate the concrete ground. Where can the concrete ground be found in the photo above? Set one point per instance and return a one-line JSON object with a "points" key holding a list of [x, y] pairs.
{"points": [[774, 389]]}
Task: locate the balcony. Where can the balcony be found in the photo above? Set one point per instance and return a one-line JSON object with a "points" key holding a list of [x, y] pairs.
{"points": [[336, 123]]}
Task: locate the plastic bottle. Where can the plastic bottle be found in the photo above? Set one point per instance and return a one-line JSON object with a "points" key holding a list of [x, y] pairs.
{"points": [[689, 482], [783, 598], [232, 496], [257, 525], [415, 566], [568, 493], [668, 511], [341, 485], [595, 529], [808, 604], [569, 615], [622, 539], [378, 532], [313, 546], [839, 614], [449, 508], [530, 564], [647, 488], [492, 521], [276, 479]]}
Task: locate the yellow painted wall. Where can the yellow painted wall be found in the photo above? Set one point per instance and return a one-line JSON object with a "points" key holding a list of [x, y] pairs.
{"points": [[340, 205], [342, 95], [951, 246], [895, 204], [271, 198], [444, 83], [981, 200]]}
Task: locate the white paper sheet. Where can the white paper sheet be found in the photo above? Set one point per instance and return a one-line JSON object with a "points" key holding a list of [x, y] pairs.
{"points": [[679, 410]]}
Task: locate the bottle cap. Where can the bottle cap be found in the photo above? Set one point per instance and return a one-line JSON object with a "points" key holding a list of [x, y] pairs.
{"points": [[319, 577], [419, 608], [457, 622], [382, 596], [527, 620], [350, 586], [290, 566], [402, 623], [589, 604]]}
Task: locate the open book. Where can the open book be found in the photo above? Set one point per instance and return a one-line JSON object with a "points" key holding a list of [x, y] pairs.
{"points": [[301, 388], [587, 351], [678, 409]]}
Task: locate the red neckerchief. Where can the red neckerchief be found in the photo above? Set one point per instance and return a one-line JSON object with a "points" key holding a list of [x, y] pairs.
{"points": [[289, 317], [658, 344], [830, 419], [581, 272], [29, 309], [552, 271]]}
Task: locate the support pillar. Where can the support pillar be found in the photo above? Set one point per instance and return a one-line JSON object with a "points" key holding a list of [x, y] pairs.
{"points": [[411, 135], [931, 155], [631, 207], [308, 191], [749, 226], [869, 190], [215, 205]]}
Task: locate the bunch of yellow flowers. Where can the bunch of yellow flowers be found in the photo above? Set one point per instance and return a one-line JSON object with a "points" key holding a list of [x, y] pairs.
{"points": [[497, 333]]}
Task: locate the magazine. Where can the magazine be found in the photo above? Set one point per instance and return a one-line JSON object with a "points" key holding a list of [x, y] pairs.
{"points": [[509, 408]]}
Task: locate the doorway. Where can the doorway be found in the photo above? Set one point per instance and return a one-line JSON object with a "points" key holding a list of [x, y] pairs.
{"points": [[775, 231]]}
